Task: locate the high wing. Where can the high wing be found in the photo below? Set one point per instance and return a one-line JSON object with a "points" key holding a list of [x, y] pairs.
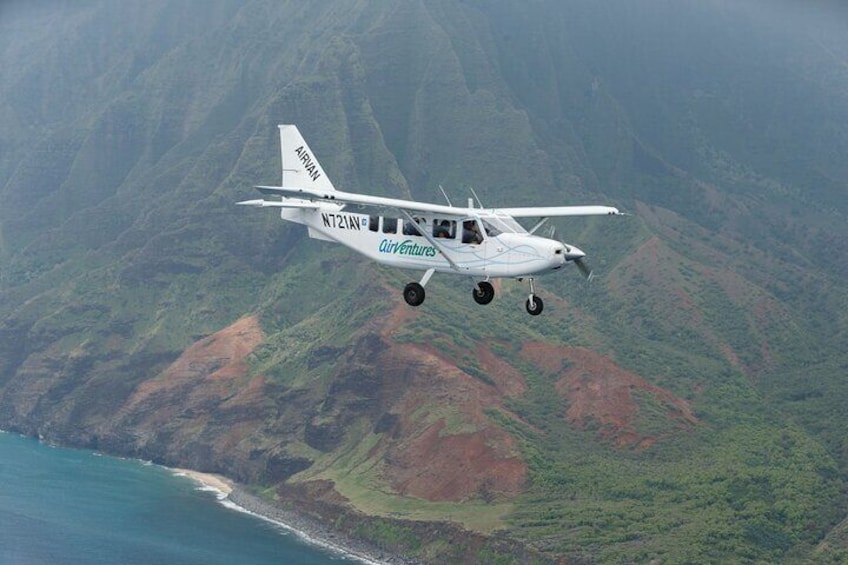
{"points": [[304, 195], [553, 211], [339, 197]]}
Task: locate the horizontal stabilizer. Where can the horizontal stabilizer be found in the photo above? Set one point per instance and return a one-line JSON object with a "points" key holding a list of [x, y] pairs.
{"points": [[288, 203]]}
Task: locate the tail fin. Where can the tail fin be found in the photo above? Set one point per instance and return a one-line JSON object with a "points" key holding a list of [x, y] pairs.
{"points": [[300, 167]]}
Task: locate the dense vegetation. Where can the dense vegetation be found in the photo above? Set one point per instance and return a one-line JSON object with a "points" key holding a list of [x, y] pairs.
{"points": [[127, 131]]}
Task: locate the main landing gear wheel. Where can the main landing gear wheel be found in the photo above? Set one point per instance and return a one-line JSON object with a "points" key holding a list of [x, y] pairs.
{"points": [[413, 293], [483, 292], [534, 305]]}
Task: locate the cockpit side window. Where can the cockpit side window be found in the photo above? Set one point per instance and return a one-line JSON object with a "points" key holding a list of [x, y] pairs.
{"points": [[471, 232]]}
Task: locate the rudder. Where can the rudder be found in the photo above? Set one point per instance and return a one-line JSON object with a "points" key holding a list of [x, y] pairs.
{"points": [[300, 167]]}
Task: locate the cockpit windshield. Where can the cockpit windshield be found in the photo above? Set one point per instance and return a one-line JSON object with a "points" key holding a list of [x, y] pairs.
{"points": [[491, 230], [502, 224]]}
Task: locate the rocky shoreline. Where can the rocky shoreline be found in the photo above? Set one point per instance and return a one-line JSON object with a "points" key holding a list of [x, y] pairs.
{"points": [[312, 530]]}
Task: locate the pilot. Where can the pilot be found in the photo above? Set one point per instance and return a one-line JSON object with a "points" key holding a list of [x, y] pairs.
{"points": [[470, 232]]}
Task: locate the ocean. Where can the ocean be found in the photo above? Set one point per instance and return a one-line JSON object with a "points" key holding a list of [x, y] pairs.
{"points": [[67, 506]]}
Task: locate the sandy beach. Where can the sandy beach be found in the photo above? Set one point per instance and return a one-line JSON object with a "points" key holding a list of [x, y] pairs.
{"points": [[216, 482], [233, 495]]}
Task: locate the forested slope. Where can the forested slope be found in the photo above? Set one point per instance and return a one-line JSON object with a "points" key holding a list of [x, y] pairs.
{"points": [[688, 404]]}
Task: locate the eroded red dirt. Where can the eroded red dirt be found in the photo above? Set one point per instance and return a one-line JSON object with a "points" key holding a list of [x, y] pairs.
{"points": [[601, 394], [444, 446], [206, 381], [508, 380], [435, 465]]}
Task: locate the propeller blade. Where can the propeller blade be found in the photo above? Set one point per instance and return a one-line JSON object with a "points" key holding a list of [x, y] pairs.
{"points": [[584, 268]]}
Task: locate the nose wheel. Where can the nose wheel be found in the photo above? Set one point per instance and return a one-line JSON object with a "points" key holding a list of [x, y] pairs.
{"points": [[534, 304]]}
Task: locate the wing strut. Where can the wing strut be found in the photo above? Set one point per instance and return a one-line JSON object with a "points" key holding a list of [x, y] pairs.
{"points": [[541, 223], [430, 239]]}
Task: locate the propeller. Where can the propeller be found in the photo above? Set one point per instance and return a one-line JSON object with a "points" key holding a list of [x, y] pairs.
{"points": [[577, 256], [574, 255], [585, 269]]}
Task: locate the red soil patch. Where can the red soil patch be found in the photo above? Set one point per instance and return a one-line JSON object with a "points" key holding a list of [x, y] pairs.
{"points": [[444, 447], [508, 380], [434, 466], [213, 368], [600, 393], [434, 460]]}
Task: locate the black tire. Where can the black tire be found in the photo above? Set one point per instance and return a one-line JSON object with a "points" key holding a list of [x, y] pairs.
{"points": [[534, 306], [413, 293], [483, 292]]}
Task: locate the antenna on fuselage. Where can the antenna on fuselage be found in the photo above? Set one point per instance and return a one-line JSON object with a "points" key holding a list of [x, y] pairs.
{"points": [[446, 196], [470, 204]]}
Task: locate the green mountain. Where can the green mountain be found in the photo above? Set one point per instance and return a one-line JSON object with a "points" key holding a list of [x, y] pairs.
{"points": [[687, 406]]}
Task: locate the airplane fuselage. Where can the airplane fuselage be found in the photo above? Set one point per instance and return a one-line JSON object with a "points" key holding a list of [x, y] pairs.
{"points": [[399, 242]]}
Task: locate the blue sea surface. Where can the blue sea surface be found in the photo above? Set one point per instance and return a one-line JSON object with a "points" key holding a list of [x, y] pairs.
{"points": [[67, 506]]}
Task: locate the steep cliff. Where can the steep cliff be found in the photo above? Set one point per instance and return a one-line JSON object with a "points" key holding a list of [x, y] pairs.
{"points": [[687, 405]]}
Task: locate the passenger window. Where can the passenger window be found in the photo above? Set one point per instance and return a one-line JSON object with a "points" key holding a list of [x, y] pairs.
{"points": [[390, 225], [373, 223], [444, 229], [411, 228]]}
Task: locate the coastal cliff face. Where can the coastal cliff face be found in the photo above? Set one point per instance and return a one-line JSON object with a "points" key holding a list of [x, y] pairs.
{"points": [[687, 405]]}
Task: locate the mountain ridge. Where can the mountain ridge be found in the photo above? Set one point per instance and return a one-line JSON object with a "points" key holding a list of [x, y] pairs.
{"points": [[132, 289]]}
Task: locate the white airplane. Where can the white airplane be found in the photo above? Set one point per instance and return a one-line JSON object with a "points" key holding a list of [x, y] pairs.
{"points": [[474, 241]]}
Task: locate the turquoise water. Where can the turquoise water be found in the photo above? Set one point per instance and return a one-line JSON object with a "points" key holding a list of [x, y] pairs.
{"points": [[65, 506]]}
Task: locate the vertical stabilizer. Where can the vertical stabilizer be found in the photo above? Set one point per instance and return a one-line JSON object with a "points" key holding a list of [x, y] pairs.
{"points": [[300, 167]]}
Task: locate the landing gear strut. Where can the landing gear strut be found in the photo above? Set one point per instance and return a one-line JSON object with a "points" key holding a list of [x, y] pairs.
{"points": [[483, 292], [534, 304], [413, 293]]}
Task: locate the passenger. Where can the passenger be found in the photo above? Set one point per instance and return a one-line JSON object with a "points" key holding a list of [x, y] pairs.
{"points": [[410, 228], [442, 229]]}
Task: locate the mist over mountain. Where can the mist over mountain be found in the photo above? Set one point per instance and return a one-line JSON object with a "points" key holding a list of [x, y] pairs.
{"points": [[686, 405]]}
